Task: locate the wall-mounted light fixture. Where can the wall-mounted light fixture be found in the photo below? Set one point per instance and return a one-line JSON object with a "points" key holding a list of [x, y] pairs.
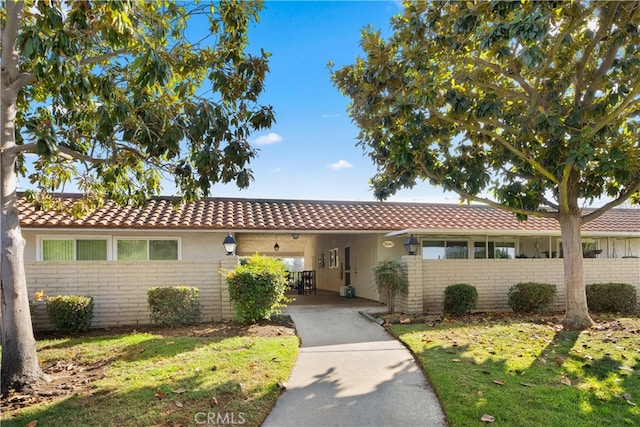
{"points": [[411, 245], [295, 236], [229, 244], [276, 247]]}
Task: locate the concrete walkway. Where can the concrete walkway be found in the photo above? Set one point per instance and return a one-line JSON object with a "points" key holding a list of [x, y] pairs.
{"points": [[350, 372]]}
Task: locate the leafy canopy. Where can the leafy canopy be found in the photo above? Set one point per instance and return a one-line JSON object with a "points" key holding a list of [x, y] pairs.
{"points": [[114, 94], [517, 104]]}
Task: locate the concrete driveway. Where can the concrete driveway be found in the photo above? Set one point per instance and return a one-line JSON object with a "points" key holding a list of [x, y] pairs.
{"points": [[350, 372]]}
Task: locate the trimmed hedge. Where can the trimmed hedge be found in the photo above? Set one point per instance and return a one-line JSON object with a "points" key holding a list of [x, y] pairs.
{"points": [[70, 313], [257, 288], [531, 297], [460, 298], [611, 297], [174, 305]]}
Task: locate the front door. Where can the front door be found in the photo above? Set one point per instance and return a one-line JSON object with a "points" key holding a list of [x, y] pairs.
{"points": [[347, 266]]}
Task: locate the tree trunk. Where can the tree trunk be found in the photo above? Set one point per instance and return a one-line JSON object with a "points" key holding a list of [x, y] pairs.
{"points": [[577, 313], [20, 369]]}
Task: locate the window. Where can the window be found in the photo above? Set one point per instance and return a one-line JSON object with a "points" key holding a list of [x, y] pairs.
{"points": [[147, 249], [493, 249], [505, 250], [74, 249], [444, 249]]}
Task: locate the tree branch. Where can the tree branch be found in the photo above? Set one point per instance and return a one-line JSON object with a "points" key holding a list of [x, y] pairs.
{"points": [[12, 21], [617, 112], [96, 59], [631, 189], [492, 203], [537, 166], [602, 29]]}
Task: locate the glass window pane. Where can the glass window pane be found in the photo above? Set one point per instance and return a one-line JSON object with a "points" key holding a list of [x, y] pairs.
{"points": [[479, 250], [132, 250], [163, 249], [91, 250], [505, 250], [433, 249], [457, 250], [57, 250]]}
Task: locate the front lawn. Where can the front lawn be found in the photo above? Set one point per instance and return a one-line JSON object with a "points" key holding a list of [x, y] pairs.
{"points": [[519, 372], [168, 377]]}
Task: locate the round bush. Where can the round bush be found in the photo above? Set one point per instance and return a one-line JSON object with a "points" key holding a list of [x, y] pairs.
{"points": [[257, 288], [460, 298], [531, 297], [70, 313], [611, 297], [174, 305]]}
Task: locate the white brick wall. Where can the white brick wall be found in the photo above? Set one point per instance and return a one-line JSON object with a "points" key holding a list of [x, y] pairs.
{"points": [[119, 289], [493, 278]]}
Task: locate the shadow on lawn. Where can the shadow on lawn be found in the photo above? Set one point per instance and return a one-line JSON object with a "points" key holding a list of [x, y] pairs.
{"points": [[183, 402], [542, 386]]}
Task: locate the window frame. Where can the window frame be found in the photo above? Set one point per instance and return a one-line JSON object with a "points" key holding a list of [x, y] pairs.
{"points": [[147, 239], [42, 237], [445, 240]]}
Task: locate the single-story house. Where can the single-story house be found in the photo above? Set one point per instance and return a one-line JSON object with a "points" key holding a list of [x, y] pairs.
{"points": [[116, 253]]}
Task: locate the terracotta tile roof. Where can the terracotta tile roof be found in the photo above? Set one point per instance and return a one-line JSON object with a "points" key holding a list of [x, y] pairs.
{"points": [[256, 214]]}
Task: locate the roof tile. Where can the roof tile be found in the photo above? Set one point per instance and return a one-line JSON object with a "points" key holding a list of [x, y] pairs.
{"points": [[256, 214]]}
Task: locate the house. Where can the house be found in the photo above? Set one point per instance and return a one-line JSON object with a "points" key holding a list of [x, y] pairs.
{"points": [[116, 253]]}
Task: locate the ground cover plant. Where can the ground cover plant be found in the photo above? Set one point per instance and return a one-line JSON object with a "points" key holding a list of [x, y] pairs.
{"points": [[224, 373], [515, 371]]}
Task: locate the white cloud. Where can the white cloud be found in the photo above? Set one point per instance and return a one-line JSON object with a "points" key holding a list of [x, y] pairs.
{"points": [[268, 139], [340, 164]]}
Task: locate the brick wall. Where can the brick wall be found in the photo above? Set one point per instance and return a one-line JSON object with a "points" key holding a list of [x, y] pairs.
{"points": [[493, 278], [119, 289]]}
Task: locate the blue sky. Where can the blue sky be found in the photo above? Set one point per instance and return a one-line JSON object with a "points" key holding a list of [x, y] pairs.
{"points": [[310, 152]]}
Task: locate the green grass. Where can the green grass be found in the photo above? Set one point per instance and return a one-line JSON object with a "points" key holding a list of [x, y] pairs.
{"points": [[156, 380], [516, 372]]}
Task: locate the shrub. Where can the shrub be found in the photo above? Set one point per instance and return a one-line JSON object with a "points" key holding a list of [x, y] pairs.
{"points": [[174, 305], [389, 280], [257, 288], [70, 313], [531, 297], [611, 297], [460, 298]]}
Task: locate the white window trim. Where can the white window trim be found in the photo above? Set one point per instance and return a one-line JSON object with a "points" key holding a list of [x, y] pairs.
{"points": [[42, 237], [147, 238]]}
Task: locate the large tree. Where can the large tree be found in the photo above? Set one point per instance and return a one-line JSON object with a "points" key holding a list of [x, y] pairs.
{"points": [[530, 107], [111, 95]]}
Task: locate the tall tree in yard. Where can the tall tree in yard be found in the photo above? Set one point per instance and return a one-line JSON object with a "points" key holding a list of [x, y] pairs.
{"points": [[530, 107], [111, 95]]}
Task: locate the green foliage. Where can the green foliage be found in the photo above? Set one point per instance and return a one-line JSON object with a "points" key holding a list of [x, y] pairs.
{"points": [[612, 297], [531, 297], [515, 99], [390, 280], [174, 305], [123, 84], [257, 288], [460, 298], [70, 313]]}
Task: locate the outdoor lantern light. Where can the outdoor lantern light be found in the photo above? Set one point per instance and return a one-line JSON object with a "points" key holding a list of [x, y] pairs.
{"points": [[276, 247], [229, 244], [411, 245]]}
